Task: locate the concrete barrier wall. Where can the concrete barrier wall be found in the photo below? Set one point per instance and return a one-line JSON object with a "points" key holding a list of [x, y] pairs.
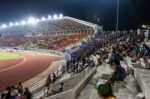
{"points": [[74, 92], [84, 82], [70, 94], [71, 82]]}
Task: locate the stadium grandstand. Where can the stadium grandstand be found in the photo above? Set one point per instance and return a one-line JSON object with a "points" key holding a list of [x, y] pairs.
{"points": [[32, 45], [59, 57], [33, 33]]}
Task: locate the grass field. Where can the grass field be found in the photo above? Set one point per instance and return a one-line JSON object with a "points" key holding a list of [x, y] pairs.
{"points": [[8, 56]]}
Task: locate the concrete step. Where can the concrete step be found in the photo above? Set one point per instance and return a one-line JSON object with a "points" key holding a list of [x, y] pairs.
{"points": [[128, 91]]}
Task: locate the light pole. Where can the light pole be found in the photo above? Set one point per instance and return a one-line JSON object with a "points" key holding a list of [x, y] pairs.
{"points": [[117, 18]]}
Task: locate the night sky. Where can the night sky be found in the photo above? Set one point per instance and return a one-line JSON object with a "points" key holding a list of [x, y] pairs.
{"points": [[133, 13]]}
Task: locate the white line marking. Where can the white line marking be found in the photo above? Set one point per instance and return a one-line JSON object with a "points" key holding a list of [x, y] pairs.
{"points": [[13, 66]]}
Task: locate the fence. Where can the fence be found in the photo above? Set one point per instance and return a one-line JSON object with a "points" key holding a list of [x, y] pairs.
{"points": [[34, 87]]}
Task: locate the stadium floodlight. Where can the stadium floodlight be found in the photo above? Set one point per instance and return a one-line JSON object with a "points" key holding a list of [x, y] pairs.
{"points": [[49, 17], [55, 16], [60, 16], [37, 20], [32, 21], [43, 19], [11, 24], [4, 25], [143, 26], [16, 23], [23, 22]]}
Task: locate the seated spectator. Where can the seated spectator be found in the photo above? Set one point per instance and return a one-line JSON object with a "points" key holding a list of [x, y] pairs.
{"points": [[8, 94], [136, 49], [14, 92], [3, 95], [137, 53], [104, 91], [115, 56], [27, 94], [118, 72], [19, 96], [146, 55]]}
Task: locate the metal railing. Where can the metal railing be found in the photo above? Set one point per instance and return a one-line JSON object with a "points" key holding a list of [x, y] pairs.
{"points": [[40, 83]]}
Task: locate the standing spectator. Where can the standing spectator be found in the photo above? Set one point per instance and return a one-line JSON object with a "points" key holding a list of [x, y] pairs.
{"points": [[48, 82], [20, 87], [27, 94], [61, 87], [54, 77]]}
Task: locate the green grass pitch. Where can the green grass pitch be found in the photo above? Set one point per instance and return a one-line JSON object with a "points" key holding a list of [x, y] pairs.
{"points": [[8, 56]]}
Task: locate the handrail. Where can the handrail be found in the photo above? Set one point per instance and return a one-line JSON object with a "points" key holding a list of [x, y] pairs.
{"points": [[39, 83]]}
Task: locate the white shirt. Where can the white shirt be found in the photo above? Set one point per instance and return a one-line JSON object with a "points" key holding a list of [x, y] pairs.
{"points": [[95, 60]]}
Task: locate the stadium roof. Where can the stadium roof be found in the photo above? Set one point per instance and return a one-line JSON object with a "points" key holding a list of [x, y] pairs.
{"points": [[32, 20], [47, 25]]}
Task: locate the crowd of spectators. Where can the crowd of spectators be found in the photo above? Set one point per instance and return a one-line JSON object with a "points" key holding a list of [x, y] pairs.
{"points": [[95, 51], [113, 47], [131, 45], [53, 42], [16, 92], [102, 46]]}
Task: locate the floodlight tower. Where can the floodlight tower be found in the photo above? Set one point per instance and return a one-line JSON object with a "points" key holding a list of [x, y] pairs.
{"points": [[117, 18]]}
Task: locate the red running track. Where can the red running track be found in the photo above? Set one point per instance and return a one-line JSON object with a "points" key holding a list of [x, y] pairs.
{"points": [[14, 71]]}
